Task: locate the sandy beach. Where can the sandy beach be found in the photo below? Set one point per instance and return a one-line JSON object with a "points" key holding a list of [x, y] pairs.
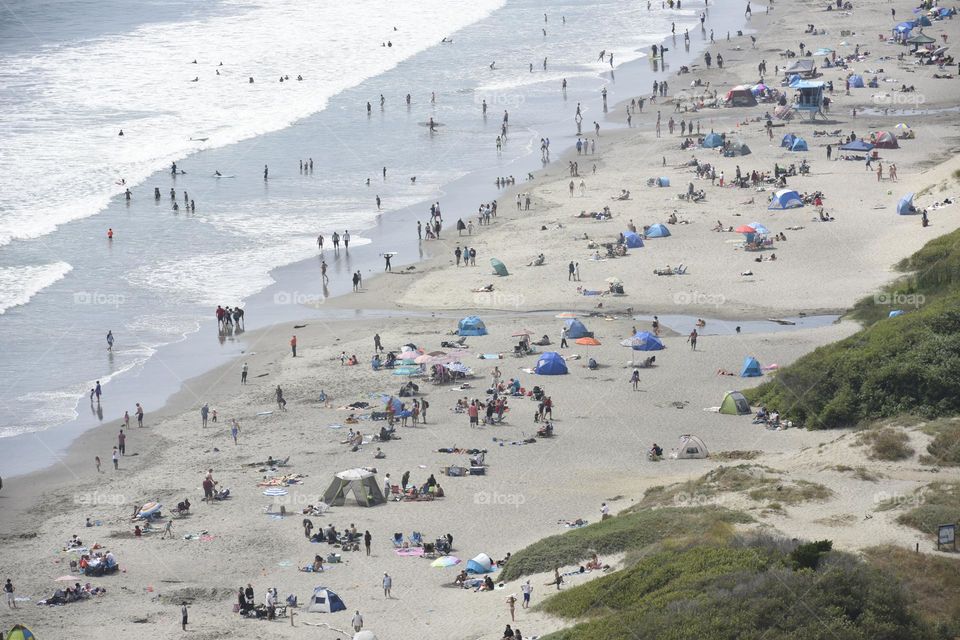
{"points": [[603, 427]]}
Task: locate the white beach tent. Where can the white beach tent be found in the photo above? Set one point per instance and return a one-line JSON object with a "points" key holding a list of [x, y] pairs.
{"points": [[361, 482], [364, 635], [691, 448], [480, 564], [324, 600]]}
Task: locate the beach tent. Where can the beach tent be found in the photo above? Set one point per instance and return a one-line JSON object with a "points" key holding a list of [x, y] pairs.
{"points": [[801, 66], [742, 149], [499, 268], [576, 329], [588, 341], [905, 206], [364, 635], [856, 81], [362, 483], [657, 231], [551, 364], [734, 404], [903, 28], [691, 448], [787, 140], [633, 240], [924, 21], [758, 89], [324, 600], [713, 140], [799, 145], [751, 368], [663, 181], [895, 313], [920, 38], [645, 341], [481, 564], [857, 145], [885, 140], [785, 199], [741, 96], [471, 326], [20, 632]]}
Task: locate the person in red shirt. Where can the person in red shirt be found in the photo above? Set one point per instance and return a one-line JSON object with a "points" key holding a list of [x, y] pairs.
{"points": [[293, 346]]}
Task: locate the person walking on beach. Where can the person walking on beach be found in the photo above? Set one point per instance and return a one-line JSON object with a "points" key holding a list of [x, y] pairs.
{"points": [[139, 413], [183, 614], [387, 585], [377, 344], [357, 622], [336, 242], [96, 460], [109, 340], [635, 379], [323, 272], [235, 430], [346, 240], [526, 589], [692, 339], [570, 271], [116, 459], [8, 594], [563, 338], [293, 346], [122, 443], [243, 373], [126, 419], [367, 538], [204, 414], [266, 172], [98, 391], [320, 242], [281, 401]]}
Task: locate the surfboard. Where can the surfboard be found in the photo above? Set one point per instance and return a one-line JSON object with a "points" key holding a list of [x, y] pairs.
{"points": [[199, 139], [216, 176], [427, 124], [389, 253]]}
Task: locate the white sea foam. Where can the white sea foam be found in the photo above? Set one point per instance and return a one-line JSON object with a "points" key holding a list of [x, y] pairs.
{"points": [[62, 108], [19, 284]]}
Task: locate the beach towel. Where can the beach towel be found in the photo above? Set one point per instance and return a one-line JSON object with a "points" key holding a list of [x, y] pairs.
{"points": [[275, 492], [411, 552]]}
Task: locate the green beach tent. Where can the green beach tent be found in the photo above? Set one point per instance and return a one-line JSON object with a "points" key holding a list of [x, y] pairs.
{"points": [[20, 632], [498, 267], [734, 404]]}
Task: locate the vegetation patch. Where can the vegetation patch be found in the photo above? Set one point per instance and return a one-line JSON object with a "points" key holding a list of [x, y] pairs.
{"points": [[887, 443], [935, 504], [760, 484]]}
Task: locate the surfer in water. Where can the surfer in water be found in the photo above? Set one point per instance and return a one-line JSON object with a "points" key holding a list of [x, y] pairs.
{"points": [[432, 125], [493, 64], [218, 174]]}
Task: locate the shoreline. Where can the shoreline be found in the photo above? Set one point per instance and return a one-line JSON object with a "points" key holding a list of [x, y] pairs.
{"points": [[298, 280], [603, 430]]}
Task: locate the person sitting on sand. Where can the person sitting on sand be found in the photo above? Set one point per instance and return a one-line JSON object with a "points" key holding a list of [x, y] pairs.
{"points": [[487, 584], [594, 563], [461, 578], [656, 451]]}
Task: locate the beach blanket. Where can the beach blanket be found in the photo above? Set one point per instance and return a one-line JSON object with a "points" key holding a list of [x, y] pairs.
{"points": [[410, 552], [275, 492], [588, 292], [490, 356]]}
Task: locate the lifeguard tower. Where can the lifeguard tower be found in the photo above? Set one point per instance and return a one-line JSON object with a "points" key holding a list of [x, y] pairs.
{"points": [[810, 99]]}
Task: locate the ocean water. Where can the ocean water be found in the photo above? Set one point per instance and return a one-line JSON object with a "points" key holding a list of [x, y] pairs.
{"points": [[74, 73]]}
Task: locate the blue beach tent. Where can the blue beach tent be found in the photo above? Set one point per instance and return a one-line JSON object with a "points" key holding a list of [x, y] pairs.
{"points": [[633, 240], [657, 231], [576, 329], [751, 368], [856, 81], [857, 145], [324, 600], [785, 199], [471, 326], [799, 145], [787, 140], [905, 206], [895, 313], [551, 364], [713, 140], [645, 341], [663, 181]]}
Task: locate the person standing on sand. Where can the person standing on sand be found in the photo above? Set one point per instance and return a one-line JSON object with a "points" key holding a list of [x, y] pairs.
{"points": [[356, 282], [183, 613], [96, 460], [116, 459], [243, 373], [8, 591], [122, 443], [526, 588], [377, 345], [139, 415], [235, 430], [98, 391], [423, 410], [635, 379], [387, 585], [109, 340], [367, 539], [692, 339], [511, 605], [357, 622], [204, 413], [563, 338], [293, 346]]}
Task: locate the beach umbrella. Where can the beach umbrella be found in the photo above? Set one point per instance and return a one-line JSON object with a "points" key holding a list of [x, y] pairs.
{"points": [[903, 126], [408, 355], [590, 342], [565, 315], [425, 358], [458, 367], [445, 561], [759, 228], [745, 228]]}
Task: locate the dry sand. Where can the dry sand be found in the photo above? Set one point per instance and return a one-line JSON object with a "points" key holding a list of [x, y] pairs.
{"points": [[604, 428]]}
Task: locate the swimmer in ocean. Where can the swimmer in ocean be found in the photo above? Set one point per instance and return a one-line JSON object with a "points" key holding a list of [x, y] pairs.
{"points": [[217, 173], [493, 64]]}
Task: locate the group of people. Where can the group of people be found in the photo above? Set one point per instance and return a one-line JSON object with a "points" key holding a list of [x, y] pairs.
{"points": [[227, 318]]}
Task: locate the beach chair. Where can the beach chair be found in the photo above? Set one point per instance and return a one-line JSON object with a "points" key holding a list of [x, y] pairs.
{"points": [[681, 270], [416, 539], [398, 540]]}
